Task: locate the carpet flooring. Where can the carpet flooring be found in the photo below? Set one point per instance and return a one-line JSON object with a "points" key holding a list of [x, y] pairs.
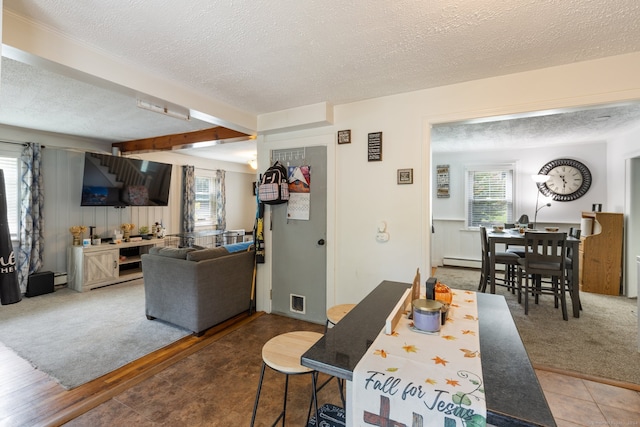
{"points": [[602, 342], [76, 337]]}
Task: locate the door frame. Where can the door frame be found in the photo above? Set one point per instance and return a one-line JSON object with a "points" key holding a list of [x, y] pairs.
{"points": [[266, 143]]}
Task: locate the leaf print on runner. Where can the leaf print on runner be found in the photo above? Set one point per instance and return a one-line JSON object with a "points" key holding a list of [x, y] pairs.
{"points": [[410, 348], [380, 353], [440, 361], [469, 353]]}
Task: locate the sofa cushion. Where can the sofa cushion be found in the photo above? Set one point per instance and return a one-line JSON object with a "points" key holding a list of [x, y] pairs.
{"points": [[179, 253], [205, 254]]}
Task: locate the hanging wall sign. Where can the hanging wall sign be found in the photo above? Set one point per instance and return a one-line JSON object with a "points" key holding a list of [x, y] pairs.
{"points": [[443, 181], [374, 147]]}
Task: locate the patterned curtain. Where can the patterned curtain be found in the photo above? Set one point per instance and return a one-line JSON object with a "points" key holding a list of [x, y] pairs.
{"points": [[31, 219], [188, 199], [221, 201]]}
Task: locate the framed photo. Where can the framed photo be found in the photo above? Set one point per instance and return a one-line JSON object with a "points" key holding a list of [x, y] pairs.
{"points": [[374, 147], [344, 137], [405, 176]]}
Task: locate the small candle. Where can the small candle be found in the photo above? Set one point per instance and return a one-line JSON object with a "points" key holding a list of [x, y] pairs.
{"points": [[426, 315]]}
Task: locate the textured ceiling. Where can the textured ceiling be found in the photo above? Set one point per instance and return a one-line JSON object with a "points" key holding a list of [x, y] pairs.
{"points": [[262, 57]]}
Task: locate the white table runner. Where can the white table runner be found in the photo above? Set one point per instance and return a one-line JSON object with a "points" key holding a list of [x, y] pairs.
{"points": [[409, 378]]}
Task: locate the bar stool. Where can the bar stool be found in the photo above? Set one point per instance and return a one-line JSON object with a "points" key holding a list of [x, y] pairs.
{"points": [[282, 353], [336, 313]]}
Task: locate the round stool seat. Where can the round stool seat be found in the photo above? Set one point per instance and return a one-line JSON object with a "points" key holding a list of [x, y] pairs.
{"points": [[283, 352], [337, 312]]}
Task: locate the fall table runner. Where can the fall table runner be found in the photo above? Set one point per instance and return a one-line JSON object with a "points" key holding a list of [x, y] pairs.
{"points": [[410, 378]]}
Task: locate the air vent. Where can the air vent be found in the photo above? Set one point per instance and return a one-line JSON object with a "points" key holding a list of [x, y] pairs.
{"points": [[297, 304]]}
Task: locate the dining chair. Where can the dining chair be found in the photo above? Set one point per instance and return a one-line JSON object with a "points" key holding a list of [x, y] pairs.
{"points": [[545, 255], [568, 262], [510, 261]]}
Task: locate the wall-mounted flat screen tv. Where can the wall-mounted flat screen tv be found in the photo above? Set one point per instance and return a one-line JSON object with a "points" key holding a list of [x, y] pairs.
{"points": [[123, 181]]}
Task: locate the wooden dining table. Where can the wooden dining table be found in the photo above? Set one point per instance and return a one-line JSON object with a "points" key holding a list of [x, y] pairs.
{"points": [[513, 237]]}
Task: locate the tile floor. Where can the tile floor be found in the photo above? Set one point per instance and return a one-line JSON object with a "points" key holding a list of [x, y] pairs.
{"points": [[216, 387], [577, 402]]}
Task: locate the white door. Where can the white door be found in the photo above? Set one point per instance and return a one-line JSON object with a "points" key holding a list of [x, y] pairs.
{"points": [[299, 255]]}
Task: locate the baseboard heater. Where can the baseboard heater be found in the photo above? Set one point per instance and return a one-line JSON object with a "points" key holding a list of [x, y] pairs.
{"points": [[465, 262]]}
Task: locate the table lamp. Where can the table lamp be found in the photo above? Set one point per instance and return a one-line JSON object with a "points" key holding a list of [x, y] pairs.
{"points": [[539, 179]]}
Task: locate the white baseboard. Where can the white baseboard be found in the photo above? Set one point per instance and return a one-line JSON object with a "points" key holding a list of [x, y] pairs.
{"points": [[461, 262], [469, 263]]}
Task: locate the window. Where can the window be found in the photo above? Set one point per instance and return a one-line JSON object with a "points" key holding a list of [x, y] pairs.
{"points": [[10, 167], [205, 200], [489, 195]]}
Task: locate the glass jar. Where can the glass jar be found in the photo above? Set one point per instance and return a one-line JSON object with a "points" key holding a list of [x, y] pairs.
{"points": [[426, 315]]}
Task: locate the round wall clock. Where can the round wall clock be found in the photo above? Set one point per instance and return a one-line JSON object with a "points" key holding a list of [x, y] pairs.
{"points": [[568, 180]]}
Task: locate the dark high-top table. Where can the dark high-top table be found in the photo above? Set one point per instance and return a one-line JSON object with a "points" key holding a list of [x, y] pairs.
{"points": [[513, 395]]}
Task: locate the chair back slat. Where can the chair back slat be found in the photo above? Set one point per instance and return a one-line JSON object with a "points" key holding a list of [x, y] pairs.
{"points": [[545, 248], [484, 241]]}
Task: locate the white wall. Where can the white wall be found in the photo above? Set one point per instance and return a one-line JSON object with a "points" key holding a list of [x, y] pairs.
{"points": [[366, 192], [623, 168], [453, 240]]}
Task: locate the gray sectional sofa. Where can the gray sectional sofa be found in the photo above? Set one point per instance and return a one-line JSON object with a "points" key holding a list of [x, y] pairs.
{"points": [[197, 289]]}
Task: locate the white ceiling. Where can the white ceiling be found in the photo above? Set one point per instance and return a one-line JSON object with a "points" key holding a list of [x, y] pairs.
{"points": [[262, 57]]}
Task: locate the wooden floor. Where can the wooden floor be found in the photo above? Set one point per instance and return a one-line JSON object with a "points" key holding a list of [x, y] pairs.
{"points": [[29, 397], [181, 385]]}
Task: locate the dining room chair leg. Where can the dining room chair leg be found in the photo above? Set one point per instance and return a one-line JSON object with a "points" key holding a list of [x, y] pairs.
{"points": [[563, 301], [519, 278], [526, 294]]}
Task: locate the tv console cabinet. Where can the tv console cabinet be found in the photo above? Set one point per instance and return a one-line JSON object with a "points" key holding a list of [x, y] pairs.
{"points": [[96, 266]]}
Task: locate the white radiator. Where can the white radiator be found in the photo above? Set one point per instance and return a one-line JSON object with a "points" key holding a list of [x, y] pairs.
{"points": [[469, 263]]}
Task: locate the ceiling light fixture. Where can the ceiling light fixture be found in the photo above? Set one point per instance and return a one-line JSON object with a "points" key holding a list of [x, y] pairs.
{"points": [[253, 163], [145, 105]]}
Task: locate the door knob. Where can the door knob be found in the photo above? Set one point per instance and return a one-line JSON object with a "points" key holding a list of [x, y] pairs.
{"points": [[321, 242]]}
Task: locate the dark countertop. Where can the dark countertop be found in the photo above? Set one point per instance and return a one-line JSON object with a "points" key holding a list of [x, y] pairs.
{"points": [[513, 395]]}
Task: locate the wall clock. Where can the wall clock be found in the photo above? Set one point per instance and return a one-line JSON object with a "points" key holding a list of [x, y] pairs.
{"points": [[568, 180]]}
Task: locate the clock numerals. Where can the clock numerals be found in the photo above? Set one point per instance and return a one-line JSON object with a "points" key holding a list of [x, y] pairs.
{"points": [[568, 179]]}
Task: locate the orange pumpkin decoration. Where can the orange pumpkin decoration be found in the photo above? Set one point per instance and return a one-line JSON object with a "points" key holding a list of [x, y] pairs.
{"points": [[443, 293]]}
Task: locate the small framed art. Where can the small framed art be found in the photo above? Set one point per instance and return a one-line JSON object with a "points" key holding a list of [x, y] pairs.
{"points": [[405, 176], [344, 137], [374, 147]]}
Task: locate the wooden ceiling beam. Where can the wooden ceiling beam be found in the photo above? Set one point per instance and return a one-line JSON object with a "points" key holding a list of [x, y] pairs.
{"points": [[168, 142]]}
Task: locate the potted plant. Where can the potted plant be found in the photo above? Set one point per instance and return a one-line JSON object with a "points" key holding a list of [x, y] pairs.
{"points": [[126, 230]]}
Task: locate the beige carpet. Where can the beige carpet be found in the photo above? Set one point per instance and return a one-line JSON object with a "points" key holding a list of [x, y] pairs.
{"points": [[76, 337], [602, 342]]}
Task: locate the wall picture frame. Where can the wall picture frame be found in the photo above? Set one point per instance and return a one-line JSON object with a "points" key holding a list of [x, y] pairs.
{"points": [[405, 176], [374, 147], [344, 136]]}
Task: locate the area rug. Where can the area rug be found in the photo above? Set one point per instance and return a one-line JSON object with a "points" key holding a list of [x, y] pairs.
{"points": [[76, 337], [602, 342]]}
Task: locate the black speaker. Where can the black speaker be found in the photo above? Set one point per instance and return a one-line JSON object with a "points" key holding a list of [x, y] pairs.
{"points": [[39, 283]]}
